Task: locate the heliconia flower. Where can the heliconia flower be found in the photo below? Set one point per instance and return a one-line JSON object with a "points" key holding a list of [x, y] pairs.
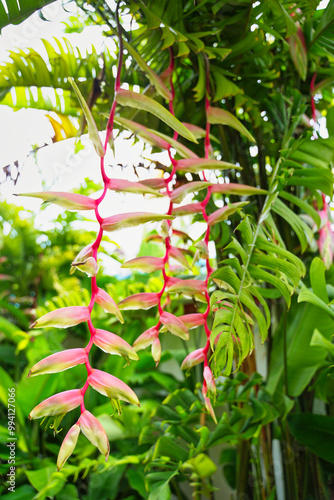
{"points": [[145, 264], [223, 213], [63, 318], [203, 249], [59, 362], [174, 325], [70, 201], [155, 183], [237, 189], [88, 266], [177, 254], [144, 300], [68, 445], [181, 234], [208, 405], [192, 208], [193, 320], [113, 344], [156, 350], [58, 404], [122, 185], [108, 304], [112, 387], [82, 256], [131, 219], [94, 432], [188, 287], [194, 358], [198, 164], [210, 381], [191, 187], [165, 230], [146, 338]]}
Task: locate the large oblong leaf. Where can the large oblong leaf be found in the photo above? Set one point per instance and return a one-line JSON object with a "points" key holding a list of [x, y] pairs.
{"points": [[223, 117], [92, 128], [144, 103], [314, 431], [131, 219]]}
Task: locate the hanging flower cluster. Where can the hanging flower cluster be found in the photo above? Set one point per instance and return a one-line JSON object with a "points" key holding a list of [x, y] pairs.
{"points": [[86, 261]]}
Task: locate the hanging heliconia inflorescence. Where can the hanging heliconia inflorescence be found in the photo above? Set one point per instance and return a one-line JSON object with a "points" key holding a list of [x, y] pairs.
{"points": [[86, 261]]}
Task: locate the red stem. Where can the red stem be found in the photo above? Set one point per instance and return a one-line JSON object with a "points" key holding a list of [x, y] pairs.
{"points": [[105, 178]]}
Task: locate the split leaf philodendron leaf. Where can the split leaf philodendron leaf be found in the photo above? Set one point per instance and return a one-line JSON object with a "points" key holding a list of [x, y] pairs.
{"points": [[70, 201], [191, 187], [199, 164], [92, 128], [121, 221], [124, 186], [144, 103], [153, 77], [223, 117]]}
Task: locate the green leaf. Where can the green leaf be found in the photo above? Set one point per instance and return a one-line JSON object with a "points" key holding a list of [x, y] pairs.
{"points": [[144, 103], [300, 227], [303, 360], [308, 209], [201, 465], [318, 280], [153, 77], [92, 128], [319, 340], [306, 295], [316, 432], [18, 12], [159, 485], [223, 117], [224, 87]]}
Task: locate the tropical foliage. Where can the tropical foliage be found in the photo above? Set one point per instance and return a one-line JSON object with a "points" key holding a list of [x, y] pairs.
{"points": [[246, 89]]}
